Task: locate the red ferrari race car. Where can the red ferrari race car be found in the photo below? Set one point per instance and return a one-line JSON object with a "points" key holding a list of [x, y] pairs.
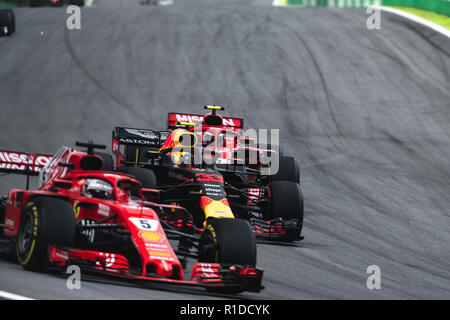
{"points": [[207, 165], [105, 222]]}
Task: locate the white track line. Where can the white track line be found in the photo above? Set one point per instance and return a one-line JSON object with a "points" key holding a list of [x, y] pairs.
{"points": [[404, 14], [12, 296], [417, 19]]}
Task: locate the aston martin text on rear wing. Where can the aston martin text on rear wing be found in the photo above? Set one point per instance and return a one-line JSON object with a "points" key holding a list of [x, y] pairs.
{"points": [[22, 163], [140, 137]]}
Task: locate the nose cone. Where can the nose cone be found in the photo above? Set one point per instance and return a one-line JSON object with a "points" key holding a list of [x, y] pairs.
{"points": [[164, 269]]}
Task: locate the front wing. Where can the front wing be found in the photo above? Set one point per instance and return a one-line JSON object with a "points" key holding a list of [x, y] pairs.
{"points": [[214, 276], [276, 229]]}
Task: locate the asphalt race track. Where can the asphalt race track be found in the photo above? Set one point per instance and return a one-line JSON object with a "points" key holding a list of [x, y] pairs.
{"points": [[366, 112]]}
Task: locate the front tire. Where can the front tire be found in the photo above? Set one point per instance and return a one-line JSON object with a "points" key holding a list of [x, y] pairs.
{"points": [[286, 202], [228, 241], [44, 222]]}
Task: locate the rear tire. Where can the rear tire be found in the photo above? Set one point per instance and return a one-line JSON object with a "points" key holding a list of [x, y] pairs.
{"points": [[79, 3], [11, 22], [286, 202], [36, 3], [8, 19], [277, 148], [108, 161], [145, 176], [44, 222], [288, 170]]}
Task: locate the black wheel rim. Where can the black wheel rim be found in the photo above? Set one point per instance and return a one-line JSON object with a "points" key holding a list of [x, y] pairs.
{"points": [[25, 236]]}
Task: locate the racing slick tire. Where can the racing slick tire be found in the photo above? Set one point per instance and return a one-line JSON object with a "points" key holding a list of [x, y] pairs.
{"points": [[288, 170], [36, 3], [108, 161], [7, 19], [43, 222], [228, 241], [79, 3], [145, 176], [276, 148], [286, 202]]}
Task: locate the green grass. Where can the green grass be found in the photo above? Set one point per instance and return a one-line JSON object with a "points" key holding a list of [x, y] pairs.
{"points": [[4, 4], [439, 19]]}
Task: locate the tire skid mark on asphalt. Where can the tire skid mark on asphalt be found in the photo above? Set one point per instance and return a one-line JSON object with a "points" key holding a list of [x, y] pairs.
{"points": [[357, 190], [98, 83], [377, 146], [425, 262]]}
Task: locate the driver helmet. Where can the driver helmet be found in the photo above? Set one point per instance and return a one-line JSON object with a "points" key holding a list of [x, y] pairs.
{"points": [[182, 158], [97, 188]]}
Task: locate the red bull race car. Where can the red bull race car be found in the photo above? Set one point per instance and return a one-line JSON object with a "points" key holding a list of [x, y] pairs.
{"points": [[106, 222], [214, 168]]}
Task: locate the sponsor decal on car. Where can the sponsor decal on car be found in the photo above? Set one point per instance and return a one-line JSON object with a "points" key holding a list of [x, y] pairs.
{"points": [[145, 224], [150, 236], [9, 222], [136, 141], [19, 161], [147, 134], [173, 118], [159, 254], [103, 210], [156, 246]]}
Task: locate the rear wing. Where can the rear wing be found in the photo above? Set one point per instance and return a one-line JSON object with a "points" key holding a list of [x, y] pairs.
{"points": [[173, 118], [23, 163], [138, 137]]}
